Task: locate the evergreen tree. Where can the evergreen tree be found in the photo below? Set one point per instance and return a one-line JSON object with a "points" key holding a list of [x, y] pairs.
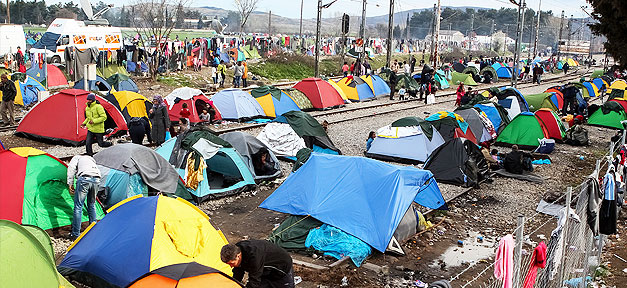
{"points": [[610, 14], [180, 17]]}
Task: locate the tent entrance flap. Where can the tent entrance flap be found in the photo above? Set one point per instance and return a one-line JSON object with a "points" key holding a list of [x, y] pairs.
{"points": [[222, 172]]}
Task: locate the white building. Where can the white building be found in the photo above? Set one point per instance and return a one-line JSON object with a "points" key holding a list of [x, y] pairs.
{"points": [[448, 37]]}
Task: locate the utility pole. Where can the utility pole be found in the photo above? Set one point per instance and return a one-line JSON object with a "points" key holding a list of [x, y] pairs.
{"points": [[437, 36], [270, 23], [559, 40], [388, 56], [519, 34], [300, 31], [362, 33], [319, 18], [535, 42], [472, 28], [8, 12], [433, 31], [407, 27], [569, 29], [491, 33]]}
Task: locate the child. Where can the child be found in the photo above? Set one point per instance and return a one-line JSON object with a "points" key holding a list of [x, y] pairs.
{"points": [[185, 113], [204, 116], [214, 74], [371, 137]]}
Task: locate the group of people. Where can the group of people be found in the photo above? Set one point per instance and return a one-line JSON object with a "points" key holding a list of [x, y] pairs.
{"points": [[240, 73], [357, 68], [464, 96]]}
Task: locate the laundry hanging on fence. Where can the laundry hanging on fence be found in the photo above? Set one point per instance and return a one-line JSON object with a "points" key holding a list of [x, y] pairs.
{"points": [[538, 260], [607, 213], [504, 261]]}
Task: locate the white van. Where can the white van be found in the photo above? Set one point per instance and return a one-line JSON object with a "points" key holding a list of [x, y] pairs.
{"points": [[11, 37], [69, 32]]}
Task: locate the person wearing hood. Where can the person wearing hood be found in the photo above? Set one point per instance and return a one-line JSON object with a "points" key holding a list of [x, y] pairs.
{"points": [[160, 120], [95, 118]]}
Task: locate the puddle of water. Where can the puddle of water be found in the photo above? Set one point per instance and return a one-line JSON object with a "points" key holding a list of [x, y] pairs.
{"points": [[472, 251]]}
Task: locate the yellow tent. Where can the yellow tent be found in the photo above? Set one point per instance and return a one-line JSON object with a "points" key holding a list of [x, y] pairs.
{"points": [[349, 88], [572, 62], [130, 102], [339, 89], [617, 84]]}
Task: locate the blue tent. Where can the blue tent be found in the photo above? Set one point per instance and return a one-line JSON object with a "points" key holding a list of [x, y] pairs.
{"points": [[493, 114], [363, 89], [132, 67], [29, 88], [121, 82], [504, 72], [497, 66], [559, 65], [591, 90], [363, 197], [598, 82], [235, 104], [226, 172], [378, 85], [100, 84], [224, 56]]}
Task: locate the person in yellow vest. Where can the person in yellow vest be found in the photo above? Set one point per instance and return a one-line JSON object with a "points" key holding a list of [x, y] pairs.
{"points": [[95, 118]]}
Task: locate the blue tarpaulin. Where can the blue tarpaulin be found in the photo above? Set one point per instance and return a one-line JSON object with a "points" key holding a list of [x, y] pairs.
{"points": [[337, 244], [363, 197]]}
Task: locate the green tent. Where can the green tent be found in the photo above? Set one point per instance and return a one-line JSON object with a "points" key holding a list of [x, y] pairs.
{"points": [[524, 130], [609, 115], [490, 70], [110, 70], [27, 257], [539, 101], [251, 53], [456, 78], [471, 70], [597, 73]]}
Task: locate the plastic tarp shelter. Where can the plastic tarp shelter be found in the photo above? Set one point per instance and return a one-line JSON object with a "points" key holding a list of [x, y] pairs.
{"points": [[363, 197], [235, 104], [405, 141], [57, 119], [34, 189], [150, 233]]}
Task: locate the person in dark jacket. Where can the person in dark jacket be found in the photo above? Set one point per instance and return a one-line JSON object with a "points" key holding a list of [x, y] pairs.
{"points": [[160, 120], [262, 164], [8, 96], [517, 161], [267, 264], [138, 127]]}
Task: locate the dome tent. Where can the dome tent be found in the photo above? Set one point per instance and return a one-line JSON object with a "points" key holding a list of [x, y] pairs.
{"points": [[235, 104], [225, 173], [321, 94], [478, 123], [525, 131], [552, 124], [355, 88], [129, 169], [185, 275], [451, 125], [406, 140], [139, 235], [377, 85], [121, 82], [609, 115], [131, 104], [273, 101], [196, 101], [54, 78], [100, 84], [249, 147], [34, 189], [57, 119], [458, 162]]}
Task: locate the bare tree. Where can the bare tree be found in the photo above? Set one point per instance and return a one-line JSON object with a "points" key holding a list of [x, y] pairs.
{"points": [[149, 21], [245, 8]]}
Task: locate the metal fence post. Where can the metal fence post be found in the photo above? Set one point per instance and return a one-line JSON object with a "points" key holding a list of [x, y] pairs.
{"points": [[518, 250], [569, 195]]}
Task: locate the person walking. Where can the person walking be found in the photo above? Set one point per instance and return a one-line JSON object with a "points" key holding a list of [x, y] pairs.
{"points": [[565, 67], [160, 120], [95, 118], [83, 168], [412, 63], [267, 264], [222, 72], [8, 96], [460, 93], [238, 71], [214, 74], [537, 73]]}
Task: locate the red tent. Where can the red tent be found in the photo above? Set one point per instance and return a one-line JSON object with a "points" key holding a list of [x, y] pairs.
{"points": [[548, 119], [58, 118], [55, 76], [560, 97], [196, 101], [321, 94], [621, 102]]}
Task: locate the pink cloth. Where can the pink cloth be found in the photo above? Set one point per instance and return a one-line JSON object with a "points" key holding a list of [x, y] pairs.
{"points": [[538, 260], [504, 262]]}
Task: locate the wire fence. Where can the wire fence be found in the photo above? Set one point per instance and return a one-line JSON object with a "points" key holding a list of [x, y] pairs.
{"points": [[573, 250]]}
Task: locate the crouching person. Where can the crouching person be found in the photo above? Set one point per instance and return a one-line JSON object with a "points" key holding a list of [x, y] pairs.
{"points": [[267, 264]]}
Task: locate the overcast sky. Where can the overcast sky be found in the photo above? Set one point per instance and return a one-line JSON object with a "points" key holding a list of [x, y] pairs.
{"points": [[291, 8]]}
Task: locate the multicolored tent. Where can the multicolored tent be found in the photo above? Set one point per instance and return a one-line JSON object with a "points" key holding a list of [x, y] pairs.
{"points": [[27, 89], [451, 125], [235, 104], [617, 84], [338, 89], [525, 131], [593, 90], [321, 94], [186, 275], [377, 85], [273, 100], [223, 172], [552, 124], [478, 122], [34, 189], [512, 100], [57, 119], [196, 101], [140, 235], [49, 74], [122, 82], [495, 113], [131, 104], [27, 257], [355, 88]]}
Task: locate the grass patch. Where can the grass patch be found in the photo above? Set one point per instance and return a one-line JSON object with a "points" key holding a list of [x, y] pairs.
{"points": [[175, 80], [294, 67]]}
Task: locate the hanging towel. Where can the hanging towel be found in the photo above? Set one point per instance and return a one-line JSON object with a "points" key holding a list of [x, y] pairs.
{"points": [[607, 213], [538, 260], [504, 262], [194, 175]]}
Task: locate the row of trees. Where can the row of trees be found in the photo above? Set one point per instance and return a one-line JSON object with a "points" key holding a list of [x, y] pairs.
{"points": [[37, 13]]}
